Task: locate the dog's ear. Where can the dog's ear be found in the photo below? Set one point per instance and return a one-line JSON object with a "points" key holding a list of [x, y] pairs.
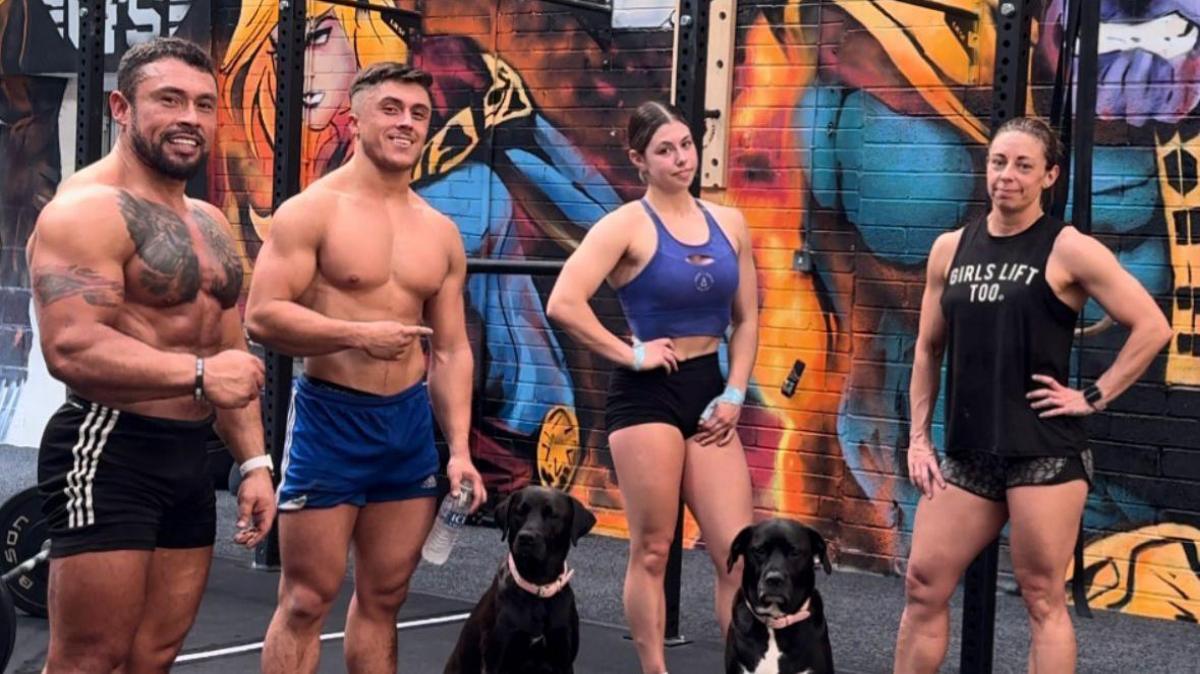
{"points": [[501, 515], [582, 520], [819, 549], [738, 548]]}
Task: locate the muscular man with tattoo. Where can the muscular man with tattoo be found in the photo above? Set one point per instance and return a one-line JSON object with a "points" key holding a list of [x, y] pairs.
{"points": [[136, 290], [353, 264]]}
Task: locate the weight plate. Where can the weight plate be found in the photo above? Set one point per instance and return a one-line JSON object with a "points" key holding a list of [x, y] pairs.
{"points": [[24, 530], [8, 627]]}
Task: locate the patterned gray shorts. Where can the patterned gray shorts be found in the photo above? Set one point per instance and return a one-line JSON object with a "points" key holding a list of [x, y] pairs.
{"points": [[990, 476]]}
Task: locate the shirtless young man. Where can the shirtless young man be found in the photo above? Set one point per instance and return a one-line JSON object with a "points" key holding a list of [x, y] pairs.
{"points": [[352, 266], [136, 290]]}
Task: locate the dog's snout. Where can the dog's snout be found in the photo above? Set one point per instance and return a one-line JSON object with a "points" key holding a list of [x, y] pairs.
{"points": [[773, 578], [526, 539]]}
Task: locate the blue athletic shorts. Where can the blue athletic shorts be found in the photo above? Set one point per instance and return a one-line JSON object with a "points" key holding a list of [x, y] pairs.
{"points": [[345, 446]]}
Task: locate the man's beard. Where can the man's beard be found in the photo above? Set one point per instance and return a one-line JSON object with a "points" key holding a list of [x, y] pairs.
{"points": [[156, 157]]}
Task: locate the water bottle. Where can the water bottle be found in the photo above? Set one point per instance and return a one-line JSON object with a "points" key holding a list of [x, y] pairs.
{"points": [[450, 519]]}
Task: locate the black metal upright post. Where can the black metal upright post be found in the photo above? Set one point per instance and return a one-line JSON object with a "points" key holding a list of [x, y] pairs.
{"points": [[289, 78], [691, 68], [1081, 217], [1085, 113], [89, 99], [1008, 100]]}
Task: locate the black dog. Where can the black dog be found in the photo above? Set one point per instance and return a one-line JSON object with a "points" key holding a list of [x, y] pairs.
{"points": [[526, 622], [778, 624]]}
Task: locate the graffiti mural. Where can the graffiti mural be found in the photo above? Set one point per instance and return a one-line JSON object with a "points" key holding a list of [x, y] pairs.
{"points": [[30, 170], [809, 166], [525, 152], [819, 89], [1152, 571]]}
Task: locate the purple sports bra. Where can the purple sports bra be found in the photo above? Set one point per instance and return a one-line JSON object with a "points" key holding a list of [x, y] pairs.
{"points": [[684, 290]]}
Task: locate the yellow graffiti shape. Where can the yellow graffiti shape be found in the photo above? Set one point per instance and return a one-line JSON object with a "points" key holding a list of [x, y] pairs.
{"points": [[507, 98], [1177, 179], [558, 450], [1153, 571], [453, 143], [928, 52]]}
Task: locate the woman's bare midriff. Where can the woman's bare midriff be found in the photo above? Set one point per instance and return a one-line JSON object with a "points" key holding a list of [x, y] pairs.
{"points": [[687, 348]]}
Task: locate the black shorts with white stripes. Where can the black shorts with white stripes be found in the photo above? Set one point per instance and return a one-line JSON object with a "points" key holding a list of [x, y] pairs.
{"points": [[112, 480]]}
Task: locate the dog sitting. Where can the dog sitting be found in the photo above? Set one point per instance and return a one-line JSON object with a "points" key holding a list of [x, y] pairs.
{"points": [[526, 622], [778, 624]]}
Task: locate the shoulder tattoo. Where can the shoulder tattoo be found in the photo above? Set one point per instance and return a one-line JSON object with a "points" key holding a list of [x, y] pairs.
{"points": [[54, 283]]}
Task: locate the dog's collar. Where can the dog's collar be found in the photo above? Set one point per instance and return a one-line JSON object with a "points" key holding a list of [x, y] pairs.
{"points": [[778, 623], [542, 591]]}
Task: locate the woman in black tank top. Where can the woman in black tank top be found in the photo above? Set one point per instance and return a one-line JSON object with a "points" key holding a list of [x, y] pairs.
{"points": [[1001, 301]]}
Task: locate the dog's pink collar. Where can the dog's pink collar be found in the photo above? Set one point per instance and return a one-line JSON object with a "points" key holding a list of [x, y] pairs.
{"points": [[782, 621], [542, 591]]}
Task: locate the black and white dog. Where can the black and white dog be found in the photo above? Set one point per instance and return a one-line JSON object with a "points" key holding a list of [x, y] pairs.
{"points": [[778, 624], [526, 622]]}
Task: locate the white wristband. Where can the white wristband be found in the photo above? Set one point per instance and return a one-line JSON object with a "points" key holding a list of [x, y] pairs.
{"points": [[733, 395], [254, 463]]}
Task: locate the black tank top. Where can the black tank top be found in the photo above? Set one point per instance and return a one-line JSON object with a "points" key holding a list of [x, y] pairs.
{"points": [[1005, 324]]}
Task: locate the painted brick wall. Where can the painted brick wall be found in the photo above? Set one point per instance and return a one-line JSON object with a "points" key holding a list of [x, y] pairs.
{"points": [[857, 137], [860, 133]]}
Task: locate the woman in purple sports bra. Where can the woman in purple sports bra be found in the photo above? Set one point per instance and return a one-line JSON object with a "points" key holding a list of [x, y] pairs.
{"points": [[684, 273]]}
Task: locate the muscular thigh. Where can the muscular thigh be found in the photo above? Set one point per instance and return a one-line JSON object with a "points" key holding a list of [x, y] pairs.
{"points": [[716, 487], [387, 542], [1045, 523], [313, 545], [649, 462], [97, 597], [950, 530], [176, 581]]}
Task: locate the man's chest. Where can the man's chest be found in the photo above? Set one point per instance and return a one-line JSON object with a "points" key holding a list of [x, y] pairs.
{"points": [[374, 256], [177, 258]]}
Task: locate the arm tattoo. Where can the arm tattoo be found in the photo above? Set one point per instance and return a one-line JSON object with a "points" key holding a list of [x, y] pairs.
{"points": [[172, 270], [227, 256], [58, 283]]}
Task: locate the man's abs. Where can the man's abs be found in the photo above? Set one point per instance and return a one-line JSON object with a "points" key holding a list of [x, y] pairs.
{"points": [[376, 263], [359, 371], [369, 295]]}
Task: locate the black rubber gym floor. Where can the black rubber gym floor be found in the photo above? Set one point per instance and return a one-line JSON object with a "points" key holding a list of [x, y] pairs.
{"points": [[237, 607], [863, 611]]}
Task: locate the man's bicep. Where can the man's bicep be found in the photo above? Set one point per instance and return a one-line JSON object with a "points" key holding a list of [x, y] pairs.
{"points": [[286, 264], [445, 311], [80, 275]]}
